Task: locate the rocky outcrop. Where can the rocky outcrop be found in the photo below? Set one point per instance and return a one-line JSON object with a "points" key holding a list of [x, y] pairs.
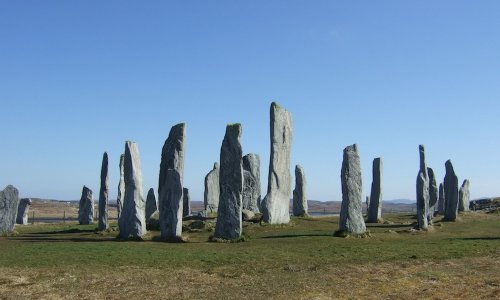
{"points": [[450, 193], [229, 218], [351, 215], [121, 187], [211, 196], [374, 214], [22, 211], [300, 207], [275, 206], [9, 202], [433, 194], [186, 203], [132, 222], [464, 196], [86, 207], [422, 192], [103, 195], [441, 203], [151, 205], [251, 182]]}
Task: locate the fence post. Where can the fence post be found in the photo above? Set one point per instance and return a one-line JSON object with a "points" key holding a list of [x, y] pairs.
{"points": [[33, 218]]}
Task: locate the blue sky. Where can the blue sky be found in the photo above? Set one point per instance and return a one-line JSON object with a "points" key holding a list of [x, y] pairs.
{"points": [[78, 78]]}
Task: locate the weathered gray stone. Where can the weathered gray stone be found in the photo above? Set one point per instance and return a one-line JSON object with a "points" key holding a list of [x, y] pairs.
{"points": [[247, 215], [276, 204], [132, 222], [151, 205], [211, 196], [170, 191], [228, 226], [186, 200], [450, 193], [251, 182], [86, 207], [441, 201], [433, 194], [464, 196], [367, 203], [22, 211], [9, 202], [300, 207], [374, 214], [351, 215], [422, 192], [103, 195], [121, 187]]}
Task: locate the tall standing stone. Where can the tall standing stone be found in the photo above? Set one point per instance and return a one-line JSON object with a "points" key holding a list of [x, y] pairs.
{"points": [[132, 222], [170, 193], [121, 187], [251, 182], [9, 202], [86, 207], [186, 203], [211, 195], [422, 192], [375, 209], [300, 207], [351, 213], [441, 201], [276, 205], [151, 205], [228, 226], [103, 195], [464, 196], [450, 193], [22, 211], [433, 194]]}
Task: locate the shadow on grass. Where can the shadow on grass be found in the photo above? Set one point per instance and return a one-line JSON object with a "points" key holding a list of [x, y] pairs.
{"points": [[37, 239], [486, 238], [297, 235], [375, 225], [68, 231]]}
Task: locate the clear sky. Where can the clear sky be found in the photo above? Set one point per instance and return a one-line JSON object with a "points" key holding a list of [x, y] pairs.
{"points": [[78, 78]]}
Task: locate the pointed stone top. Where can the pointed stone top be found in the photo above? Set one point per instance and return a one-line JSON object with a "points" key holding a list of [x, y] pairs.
{"points": [[351, 148], [421, 147], [216, 165], [299, 168], [465, 183], [449, 166]]}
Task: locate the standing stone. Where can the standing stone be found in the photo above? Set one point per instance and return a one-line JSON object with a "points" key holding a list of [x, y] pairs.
{"points": [[22, 211], [170, 193], [132, 222], [9, 201], [121, 187], [351, 214], [422, 192], [211, 196], [433, 194], [103, 195], [464, 196], [375, 209], [151, 205], [186, 203], [450, 193], [86, 208], [367, 203], [441, 202], [228, 226], [276, 205], [300, 207], [251, 182]]}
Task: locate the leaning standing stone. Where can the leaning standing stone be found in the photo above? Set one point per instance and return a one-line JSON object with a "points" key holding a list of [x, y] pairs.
{"points": [[464, 196], [228, 226], [422, 192], [211, 196], [450, 193], [121, 187], [9, 201], [22, 212], [441, 204], [351, 214], [151, 205], [86, 208], [186, 203], [433, 194], [132, 222], [276, 205], [103, 195], [251, 182], [375, 207], [300, 207]]}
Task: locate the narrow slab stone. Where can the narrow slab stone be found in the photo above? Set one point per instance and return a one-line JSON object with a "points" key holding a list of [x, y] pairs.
{"points": [[464, 196], [9, 202], [276, 205], [433, 194], [228, 226], [22, 211], [211, 196], [422, 192], [151, 205], [300, 206], [121, 187], [86, 207], [132, 222], [441, 201], [450, 193], [374, 214], [351, 214], [103, 195], [251, 182], [186, 200]]}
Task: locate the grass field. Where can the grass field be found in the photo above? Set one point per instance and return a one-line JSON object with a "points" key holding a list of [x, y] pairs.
{"points": [[302, 260]]}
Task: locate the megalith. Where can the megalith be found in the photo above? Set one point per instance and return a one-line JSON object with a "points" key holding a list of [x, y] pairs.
{"points": [[351, 214], [374, 213], [251, 182], [22, 211], [422, 192], [132, 222], [211, 195], [9, 202], [300, 206], [151, 205], [433, 194], [464, 196], [121, 187], [276, 204], [441, 203], [186, 203], [86, 207], [450, 193], [228, 226], [103, 195]]}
